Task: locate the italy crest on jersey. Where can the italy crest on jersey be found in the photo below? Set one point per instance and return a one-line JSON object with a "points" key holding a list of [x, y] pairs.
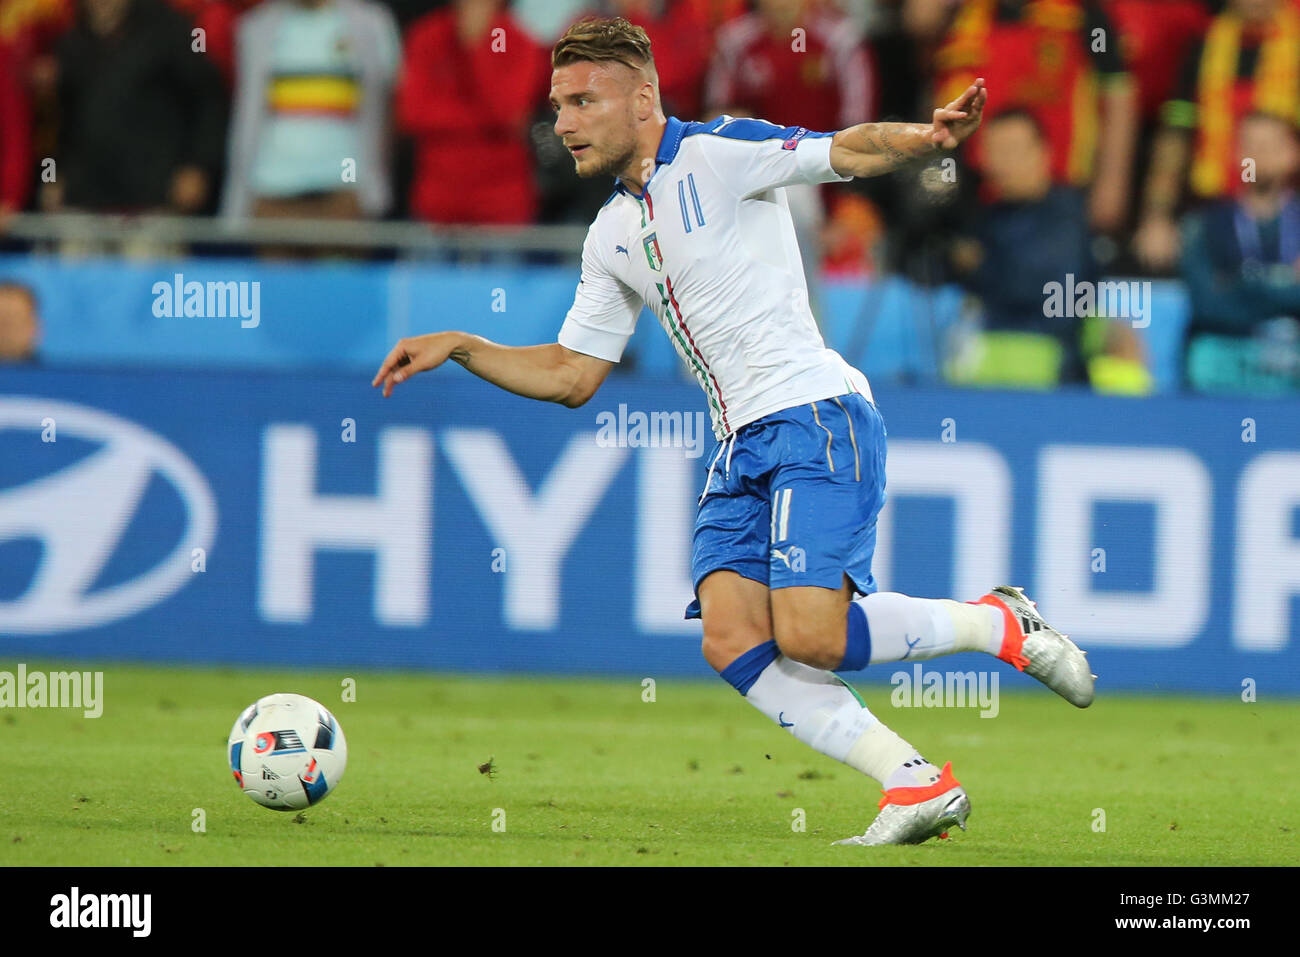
{"points": [[652, 254]]}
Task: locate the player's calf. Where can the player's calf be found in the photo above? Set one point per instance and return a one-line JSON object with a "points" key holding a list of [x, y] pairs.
{"points": [[724, 642], [810, 624], [813, 643]]}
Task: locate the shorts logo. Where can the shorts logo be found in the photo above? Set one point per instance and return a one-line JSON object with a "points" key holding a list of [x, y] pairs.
{"points": [[794, 557], [653, 255], [793, 141]]}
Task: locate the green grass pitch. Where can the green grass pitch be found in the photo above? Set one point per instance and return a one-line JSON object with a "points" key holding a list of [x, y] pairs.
{"points": [[588, 773]]}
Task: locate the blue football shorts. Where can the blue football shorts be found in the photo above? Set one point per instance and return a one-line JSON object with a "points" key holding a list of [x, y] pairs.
{"points": [[792, 498]]}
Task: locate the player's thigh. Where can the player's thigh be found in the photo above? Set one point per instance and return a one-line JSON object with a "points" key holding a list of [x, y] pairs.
{"points": [[825, 501], [735, 613], [822, 558]]}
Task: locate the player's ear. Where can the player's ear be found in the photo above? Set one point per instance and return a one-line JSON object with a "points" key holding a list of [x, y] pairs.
{"points": [[647, 96]]}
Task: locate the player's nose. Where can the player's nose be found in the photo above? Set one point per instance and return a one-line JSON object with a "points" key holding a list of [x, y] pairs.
{"points": [[563, 123]]}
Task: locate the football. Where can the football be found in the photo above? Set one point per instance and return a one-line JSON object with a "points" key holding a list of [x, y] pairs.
{"points": [[287, 752]]}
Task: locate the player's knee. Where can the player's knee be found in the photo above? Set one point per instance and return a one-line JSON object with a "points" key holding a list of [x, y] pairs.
{"points": [[810, 641]]}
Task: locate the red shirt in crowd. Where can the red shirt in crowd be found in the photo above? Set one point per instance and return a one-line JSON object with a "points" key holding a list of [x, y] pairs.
{"points": [[821, 80], [1154, 38], [15, 134], [1039, 57], [467, 109]]}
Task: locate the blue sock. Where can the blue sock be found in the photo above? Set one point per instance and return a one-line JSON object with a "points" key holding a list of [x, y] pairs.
{"points": [[744, 671], [857, 645]]}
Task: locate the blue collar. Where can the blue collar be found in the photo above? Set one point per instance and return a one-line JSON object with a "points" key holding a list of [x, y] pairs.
{"points": [[669, 144]]}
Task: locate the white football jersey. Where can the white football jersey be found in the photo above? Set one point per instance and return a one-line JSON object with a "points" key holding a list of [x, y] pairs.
{"points": [[710, 247]]}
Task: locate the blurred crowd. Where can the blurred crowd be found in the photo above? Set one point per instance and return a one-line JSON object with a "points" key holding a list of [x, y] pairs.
{"points": [[1143, 138]]}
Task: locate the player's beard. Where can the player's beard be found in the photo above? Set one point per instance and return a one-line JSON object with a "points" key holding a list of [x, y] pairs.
{"points": [[611, 162]]}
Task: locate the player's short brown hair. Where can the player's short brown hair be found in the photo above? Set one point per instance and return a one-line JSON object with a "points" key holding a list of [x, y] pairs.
{"points": [[604, 40]]}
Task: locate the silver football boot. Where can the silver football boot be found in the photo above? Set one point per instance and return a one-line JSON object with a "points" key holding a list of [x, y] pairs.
{"points": [[1048, 655], [916, 823]]}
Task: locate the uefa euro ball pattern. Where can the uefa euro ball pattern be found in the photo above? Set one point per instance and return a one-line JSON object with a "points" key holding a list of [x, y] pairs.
{"points": [[287, 752]]}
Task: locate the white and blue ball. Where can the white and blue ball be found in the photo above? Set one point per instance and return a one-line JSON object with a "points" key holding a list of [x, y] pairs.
{"points": [[287, 752]]}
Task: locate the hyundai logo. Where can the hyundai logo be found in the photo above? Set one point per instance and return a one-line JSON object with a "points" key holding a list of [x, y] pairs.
{"points": [[79, 514]]}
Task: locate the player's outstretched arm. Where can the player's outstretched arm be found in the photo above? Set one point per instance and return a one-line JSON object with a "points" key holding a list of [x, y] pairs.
{"points": [[870, 149], [550, 373]]}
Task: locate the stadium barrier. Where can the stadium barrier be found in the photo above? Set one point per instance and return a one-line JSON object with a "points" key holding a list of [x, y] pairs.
{"points": [[344, 315], [287, 518]]}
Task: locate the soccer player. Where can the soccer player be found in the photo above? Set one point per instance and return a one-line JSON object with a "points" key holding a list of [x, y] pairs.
{"points": [[698, 230]]}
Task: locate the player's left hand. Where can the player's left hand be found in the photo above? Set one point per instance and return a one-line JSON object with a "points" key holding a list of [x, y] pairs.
{"points": [[960, 118]]}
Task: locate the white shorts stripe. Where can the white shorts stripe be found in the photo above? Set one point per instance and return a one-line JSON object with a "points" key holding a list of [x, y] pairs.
{"points": [[857, 469], [818, 419]]}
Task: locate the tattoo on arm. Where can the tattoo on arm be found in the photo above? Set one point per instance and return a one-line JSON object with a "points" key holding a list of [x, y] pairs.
{"points": [[460, 355], [881, 141]]}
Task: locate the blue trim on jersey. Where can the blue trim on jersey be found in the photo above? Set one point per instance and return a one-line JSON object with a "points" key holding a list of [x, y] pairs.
{"points": [[695, 198], [754, 131], [671, 141], [669, 144]]}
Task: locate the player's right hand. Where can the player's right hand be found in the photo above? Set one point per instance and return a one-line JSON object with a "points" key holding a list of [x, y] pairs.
{"points": [[416, 354]]}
